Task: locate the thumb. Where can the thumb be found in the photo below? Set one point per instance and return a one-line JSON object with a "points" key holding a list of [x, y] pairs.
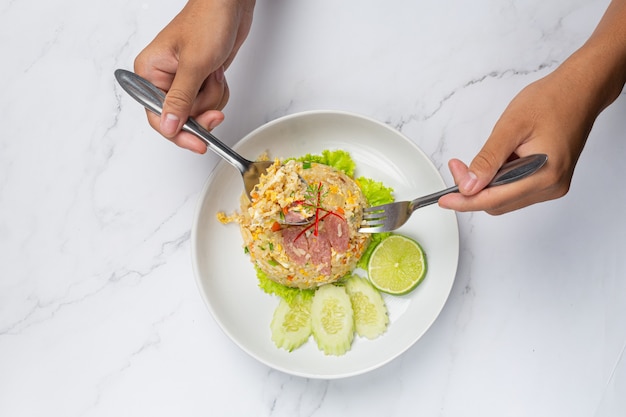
{"points": [[482, 169], [179, 100]]}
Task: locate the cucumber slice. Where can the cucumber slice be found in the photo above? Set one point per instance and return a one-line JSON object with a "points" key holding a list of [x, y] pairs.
{"points": [[332, 320], [291, 324], [370, 311]]}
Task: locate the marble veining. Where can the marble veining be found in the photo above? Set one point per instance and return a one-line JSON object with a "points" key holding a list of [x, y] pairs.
{"points": [[99, 310]]}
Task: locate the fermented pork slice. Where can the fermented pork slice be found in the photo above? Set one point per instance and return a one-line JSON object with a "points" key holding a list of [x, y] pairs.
{"points": [[336, 230], [297, 249], [303, 247]]}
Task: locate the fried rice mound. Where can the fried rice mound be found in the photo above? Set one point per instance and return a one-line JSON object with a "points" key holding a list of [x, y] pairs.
{"points": [[323, 249]]}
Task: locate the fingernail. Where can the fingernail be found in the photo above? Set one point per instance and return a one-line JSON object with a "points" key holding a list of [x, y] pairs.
{"points": [[469, 182], [219, 74], [199, 152], [214, 124], [169, 124]]}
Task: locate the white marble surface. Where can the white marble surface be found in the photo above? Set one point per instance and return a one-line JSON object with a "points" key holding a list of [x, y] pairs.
{"points": [[99, 311]]}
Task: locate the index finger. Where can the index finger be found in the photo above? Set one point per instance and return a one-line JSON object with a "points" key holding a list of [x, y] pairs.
{"points": [[503, 198]]}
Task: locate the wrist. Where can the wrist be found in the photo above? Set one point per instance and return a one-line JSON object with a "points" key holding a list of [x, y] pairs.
{"points": [[600, 64], [243, 5]]}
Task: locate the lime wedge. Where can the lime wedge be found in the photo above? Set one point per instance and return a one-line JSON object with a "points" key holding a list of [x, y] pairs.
{"points": [[397, 265]]}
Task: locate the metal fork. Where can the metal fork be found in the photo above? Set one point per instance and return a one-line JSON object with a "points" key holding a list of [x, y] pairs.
{"points": [[388, 217]]}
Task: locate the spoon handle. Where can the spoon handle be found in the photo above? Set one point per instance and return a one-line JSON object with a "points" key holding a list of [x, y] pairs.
{"points": [[152, 99]]}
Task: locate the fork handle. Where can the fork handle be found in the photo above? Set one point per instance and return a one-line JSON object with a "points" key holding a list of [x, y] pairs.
{"points": [[510, 172], [429, 199]]}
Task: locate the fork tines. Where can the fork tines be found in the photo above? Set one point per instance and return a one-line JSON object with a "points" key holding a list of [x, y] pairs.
{"points": [[373, 219]]}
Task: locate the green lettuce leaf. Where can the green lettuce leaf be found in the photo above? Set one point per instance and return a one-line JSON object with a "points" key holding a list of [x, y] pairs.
{"points": [[286, 293], [375, 239], [375, 192], [338, 159]]}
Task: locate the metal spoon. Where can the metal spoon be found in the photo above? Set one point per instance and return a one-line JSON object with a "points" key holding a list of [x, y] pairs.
{"points": [[152, 98]]}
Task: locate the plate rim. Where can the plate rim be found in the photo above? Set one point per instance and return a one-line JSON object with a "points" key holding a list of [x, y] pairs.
{"points": [[194, 247]]}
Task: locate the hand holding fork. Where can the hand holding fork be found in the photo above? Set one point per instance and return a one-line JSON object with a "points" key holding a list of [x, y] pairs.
{"points": [[388, 217]]}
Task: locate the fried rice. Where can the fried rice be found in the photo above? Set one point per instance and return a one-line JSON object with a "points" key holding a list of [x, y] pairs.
{"points": [[310, 255]]}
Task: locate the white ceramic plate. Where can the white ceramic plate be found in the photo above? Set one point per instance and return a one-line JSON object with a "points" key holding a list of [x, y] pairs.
{"points": [[227, 280]]}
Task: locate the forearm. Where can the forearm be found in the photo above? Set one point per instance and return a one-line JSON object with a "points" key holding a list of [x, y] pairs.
{"points": [[221, 13], [552, 115], [598, 69]]}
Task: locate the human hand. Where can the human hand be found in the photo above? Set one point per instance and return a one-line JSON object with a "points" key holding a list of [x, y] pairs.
{"points": [[549, 116], [187, 60], [554, 116]]}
